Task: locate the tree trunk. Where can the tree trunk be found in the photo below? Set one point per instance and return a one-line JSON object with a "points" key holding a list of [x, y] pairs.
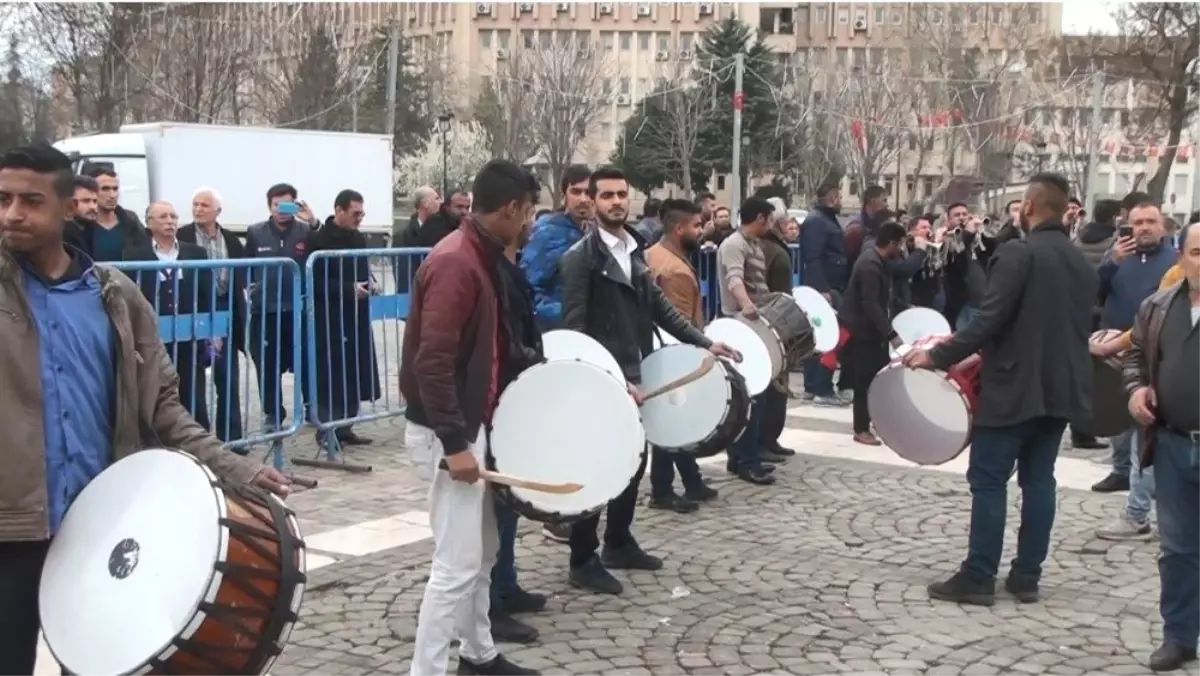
{"points": [[1178, 117]]}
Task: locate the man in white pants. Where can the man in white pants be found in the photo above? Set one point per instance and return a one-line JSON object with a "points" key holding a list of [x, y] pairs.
{"points": [[457, 346]]}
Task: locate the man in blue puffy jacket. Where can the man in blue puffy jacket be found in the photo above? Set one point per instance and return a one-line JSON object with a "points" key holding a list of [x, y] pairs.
{"points": [[826, 269], [552, 235]]}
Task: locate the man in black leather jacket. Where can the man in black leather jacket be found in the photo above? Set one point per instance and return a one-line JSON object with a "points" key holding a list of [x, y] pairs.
{"points": [[609, 294]]}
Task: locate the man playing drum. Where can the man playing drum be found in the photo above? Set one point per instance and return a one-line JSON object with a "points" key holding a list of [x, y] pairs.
{"points": [[608, 293], [741, 267], [670, 263], [458, 340], [1033, 327], [86, 382]]}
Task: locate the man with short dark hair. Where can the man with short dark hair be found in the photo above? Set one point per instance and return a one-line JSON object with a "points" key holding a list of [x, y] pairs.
{"points": [[455, 324], [81, 229], [434, 227], [609, 294], [717, 229], [1033, 330], [867, 314], [826, 269], [742, 271], [552, 235], [119, 231], [272, 338], [670, 264], [341, 291], [651, 226], [1074, 207], [83, 338], [862, 227]]}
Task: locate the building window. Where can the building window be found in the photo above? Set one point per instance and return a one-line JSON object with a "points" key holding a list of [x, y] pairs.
{"points": [[908, 185], [1181, 186], [822, 15], [787, 20], [897, 17], [527, 40], [972, 14], [687, 41], [1035, 15], [625, 85], [956, 16], [766, 19], [485, 40], [607, 41], [879, 12], [888, 184], [626, 41], [644, 42], [801, 15], [1016, 17], [664, 41], [720, 181], [843, 57], [927, 186], [843, 15], [935, 16], [998, 16], [564, 38], [606, 86], [853, 187], [818, 57], [643, 86], [503, 38]]}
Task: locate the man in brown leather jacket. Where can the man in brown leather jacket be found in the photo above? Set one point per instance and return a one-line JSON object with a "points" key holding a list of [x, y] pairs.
{"points": [[84, 382], [1164, 398]]}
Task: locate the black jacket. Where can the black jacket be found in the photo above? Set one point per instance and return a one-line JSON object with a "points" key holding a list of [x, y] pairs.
{"points": [[1033, 328], [779, 263], [435, 229], [238, 278], [868, 298], [183, 292], [620, 313], [525, 340], [81, 233]]}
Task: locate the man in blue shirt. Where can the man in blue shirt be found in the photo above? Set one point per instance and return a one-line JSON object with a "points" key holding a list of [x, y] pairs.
{"points": [[84, 382]]}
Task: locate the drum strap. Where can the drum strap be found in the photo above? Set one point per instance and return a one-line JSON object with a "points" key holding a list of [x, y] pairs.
{"points": [[277, 612]]}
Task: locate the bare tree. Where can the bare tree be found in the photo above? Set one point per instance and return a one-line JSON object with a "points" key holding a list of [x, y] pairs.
{"points": [[817, 149], [565, 80], [875, 121], [504, 107], [1157, 47]]}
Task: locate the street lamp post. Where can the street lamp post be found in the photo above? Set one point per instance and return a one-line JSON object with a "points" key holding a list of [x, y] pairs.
{"points": [[444, 121], [1041, 155]]}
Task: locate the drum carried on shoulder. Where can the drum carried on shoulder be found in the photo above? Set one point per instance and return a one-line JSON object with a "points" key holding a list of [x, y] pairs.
{"points": [[160, 567]]}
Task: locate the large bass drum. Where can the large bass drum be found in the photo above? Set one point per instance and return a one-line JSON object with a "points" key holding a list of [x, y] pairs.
{"points": [[701, 418], [565, 421], [162, 568]]}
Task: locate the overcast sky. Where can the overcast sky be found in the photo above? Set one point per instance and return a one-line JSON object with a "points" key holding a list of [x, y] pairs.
{"points": [[1081, 17]]}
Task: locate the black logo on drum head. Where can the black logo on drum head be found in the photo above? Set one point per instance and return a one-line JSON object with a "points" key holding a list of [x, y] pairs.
{"points": [[124, 558]]}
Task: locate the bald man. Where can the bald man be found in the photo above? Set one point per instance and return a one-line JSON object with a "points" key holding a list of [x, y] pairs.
{"points": [[176, 292]]}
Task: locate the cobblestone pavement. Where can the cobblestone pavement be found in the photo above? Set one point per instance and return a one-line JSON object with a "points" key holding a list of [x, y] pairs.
{"points": [[822, 573]]}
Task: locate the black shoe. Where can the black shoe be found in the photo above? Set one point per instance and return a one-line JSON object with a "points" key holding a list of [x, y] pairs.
{"points": [[760, 476], [348, 437], [594, 577], [519, 601], [499, 666], [508, 629], [629, 557], [559, 532], [772, 457], [1086, 442], [1024, 589], [1113, 483], [673, 503], [780, 450], [961, 589], [1170, 657], [732, 467], [701, 493]]}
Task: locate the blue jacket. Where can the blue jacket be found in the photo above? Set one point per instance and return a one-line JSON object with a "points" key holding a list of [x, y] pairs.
{"points": [[552, 235], [823, 246], [1124, 285]]}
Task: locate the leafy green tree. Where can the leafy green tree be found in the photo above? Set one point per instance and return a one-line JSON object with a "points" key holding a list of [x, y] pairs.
{"points": [[760, 113], [639, 154], [12, 118], [414, 117], [317, 90]]}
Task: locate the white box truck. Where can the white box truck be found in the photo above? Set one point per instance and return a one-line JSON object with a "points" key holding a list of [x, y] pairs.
{"points": [[170, 160]]}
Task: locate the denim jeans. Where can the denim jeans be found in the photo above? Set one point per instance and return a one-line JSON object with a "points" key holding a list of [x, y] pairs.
{"points": [[1141, 486], [1121, 452], [504, 572], [662, 472], [1177, 470], [965, 315], [818, 380], [1033, 447], [747, 450]]}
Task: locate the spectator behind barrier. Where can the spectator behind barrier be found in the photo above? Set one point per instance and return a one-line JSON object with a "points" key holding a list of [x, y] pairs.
{"points": [[552, 235]]}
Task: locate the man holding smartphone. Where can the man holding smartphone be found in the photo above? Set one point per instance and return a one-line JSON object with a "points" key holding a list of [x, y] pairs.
{"points": [[272, 340], [1130, 273]]}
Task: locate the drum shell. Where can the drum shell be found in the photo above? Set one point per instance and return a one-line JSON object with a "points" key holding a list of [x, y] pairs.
{"points": [[786, 323], [731, 427]]}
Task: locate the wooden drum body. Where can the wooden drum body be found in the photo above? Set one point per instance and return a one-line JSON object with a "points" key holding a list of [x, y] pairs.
{"points": [[162, 568]]}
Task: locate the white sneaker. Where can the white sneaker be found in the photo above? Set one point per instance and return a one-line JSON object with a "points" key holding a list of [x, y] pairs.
{"points": [[1127, 529]]}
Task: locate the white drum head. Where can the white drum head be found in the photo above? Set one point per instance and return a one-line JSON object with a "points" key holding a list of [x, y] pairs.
{"points": [[568, 421], [662, 338], [919, 414], [820, 315], [916, 323], [564, 344], [756, 365], [691, 413], [133, 560]]}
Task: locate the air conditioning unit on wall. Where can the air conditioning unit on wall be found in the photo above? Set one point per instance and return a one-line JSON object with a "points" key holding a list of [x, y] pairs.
{"points": [[483, 9]]}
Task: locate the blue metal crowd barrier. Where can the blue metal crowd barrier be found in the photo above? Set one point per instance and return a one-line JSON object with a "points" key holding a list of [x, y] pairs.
{"points": [[356, 302], [213, 316]]}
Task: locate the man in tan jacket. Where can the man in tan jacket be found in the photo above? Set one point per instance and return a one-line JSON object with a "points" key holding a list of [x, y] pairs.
{"points": [[670, 263], [84, 382]]}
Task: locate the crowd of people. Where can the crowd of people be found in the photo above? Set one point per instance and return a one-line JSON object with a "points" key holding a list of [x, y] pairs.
{"points": [[1027, 291]]}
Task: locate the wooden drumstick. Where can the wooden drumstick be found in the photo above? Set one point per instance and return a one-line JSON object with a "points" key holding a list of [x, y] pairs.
{"points": [[517, 482], [705, 366]]}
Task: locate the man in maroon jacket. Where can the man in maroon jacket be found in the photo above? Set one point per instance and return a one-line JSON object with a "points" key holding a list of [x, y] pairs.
{"points": [[456, 347]]}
